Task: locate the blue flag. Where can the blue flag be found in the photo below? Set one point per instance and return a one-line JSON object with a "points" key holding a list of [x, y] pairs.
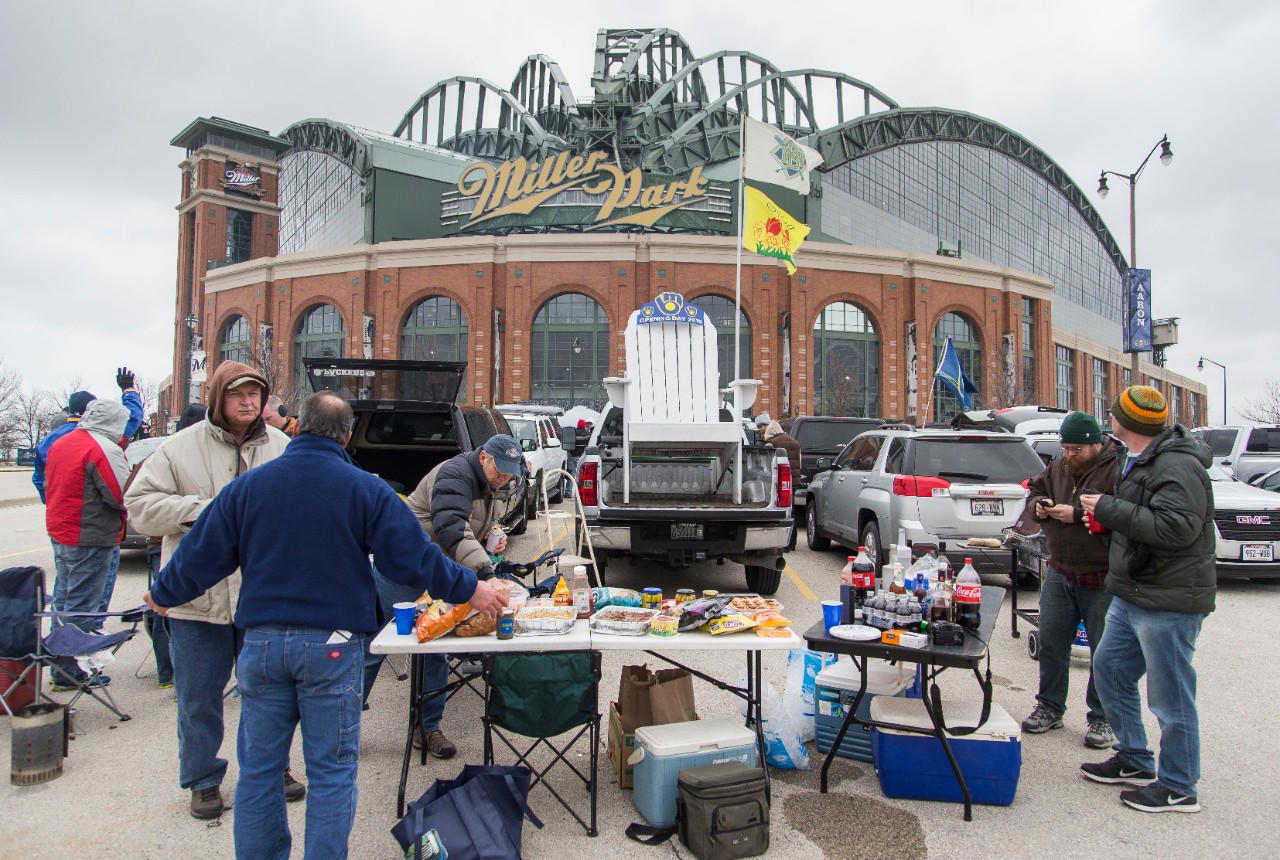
{"points": [[950, 372]]}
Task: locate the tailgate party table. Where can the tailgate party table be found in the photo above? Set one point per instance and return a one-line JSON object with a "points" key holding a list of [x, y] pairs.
{"points": [[582, 638], [937, 659]]}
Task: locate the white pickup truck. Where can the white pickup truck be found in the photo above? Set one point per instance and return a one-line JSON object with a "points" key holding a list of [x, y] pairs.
{"points": [[1246, 451], [668, 475]]}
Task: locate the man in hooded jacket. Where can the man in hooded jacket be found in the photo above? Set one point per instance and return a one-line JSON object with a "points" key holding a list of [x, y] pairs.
{"points": [[84, 513], [171, 488]]}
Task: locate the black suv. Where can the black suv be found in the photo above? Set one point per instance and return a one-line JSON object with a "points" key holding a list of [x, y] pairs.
{"points": [[407, 422], [822, 436]]}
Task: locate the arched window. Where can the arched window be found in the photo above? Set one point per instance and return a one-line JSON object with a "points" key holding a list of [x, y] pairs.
{"points": [[720, 310], [846, 362], [569, 352], [965, 338], [436, 330], [235, 344], [321, 334]]}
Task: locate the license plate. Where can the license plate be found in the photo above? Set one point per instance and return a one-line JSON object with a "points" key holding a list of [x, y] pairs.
{"points": [[1256, 552], [986, 507], [686, 531]]}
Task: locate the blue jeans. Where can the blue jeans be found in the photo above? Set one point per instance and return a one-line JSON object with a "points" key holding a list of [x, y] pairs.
{"points": [[1062, 607], [290, 676], [155, 625], [435, 667], [1161, 645], [203, 657], [82, 573], [108, 588]]}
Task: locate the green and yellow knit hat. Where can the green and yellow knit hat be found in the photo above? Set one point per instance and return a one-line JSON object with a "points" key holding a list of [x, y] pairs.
{"points": [[1142, 409]]}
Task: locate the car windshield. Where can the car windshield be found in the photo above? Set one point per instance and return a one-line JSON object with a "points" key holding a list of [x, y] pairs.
{"points": [[828, 435], [523, 428], [980, 460]]}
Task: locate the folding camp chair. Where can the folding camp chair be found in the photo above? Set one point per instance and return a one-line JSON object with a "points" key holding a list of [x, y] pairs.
{"points": [[21, 588], [544, 696]]}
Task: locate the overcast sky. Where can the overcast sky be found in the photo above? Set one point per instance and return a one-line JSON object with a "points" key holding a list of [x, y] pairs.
{"points": [[93, 93]]}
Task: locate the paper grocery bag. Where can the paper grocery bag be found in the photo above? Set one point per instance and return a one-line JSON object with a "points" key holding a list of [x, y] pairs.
{"points": [[671, 697], [634, 709]]}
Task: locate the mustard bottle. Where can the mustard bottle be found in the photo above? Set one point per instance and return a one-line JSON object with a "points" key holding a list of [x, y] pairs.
{"points": [[561, 596]]}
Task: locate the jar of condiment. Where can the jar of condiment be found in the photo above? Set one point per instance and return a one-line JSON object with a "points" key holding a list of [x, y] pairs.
{"points": [[710, 592], [652, 598], [684, 595], [507, 624]]}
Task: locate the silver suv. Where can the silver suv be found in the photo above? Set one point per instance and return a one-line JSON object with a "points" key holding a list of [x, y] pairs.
{"points": [[924, 486]]}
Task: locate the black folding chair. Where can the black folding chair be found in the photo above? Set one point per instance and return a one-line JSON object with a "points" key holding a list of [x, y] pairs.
{"points": [[21, 597], [21, 588], [546, 696]]}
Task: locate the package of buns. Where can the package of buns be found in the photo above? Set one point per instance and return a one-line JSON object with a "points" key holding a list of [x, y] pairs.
{"points": [[477, 625]]}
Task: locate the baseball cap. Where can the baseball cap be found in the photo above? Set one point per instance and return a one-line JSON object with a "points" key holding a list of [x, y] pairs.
{"points": [[241, 380], [505, 453]]}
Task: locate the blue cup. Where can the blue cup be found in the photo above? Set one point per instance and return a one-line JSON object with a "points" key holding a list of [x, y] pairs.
{"points": [[831, 613], [405, 615]]}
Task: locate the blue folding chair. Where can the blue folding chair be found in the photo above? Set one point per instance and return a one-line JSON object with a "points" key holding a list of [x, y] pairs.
{"points": [[22, 590]]}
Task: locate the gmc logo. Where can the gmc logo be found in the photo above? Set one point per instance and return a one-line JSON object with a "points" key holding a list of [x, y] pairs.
{"points": [[1253, 521]]}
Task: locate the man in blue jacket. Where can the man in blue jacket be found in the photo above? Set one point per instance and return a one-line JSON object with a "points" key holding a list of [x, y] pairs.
{"points": [[77, 403], [301, 529]]}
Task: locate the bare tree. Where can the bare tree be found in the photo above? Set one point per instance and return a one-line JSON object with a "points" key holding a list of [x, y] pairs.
{"points": [[147, 390], [60, 396], [1265, 409], [33, 411], [10, 391]]}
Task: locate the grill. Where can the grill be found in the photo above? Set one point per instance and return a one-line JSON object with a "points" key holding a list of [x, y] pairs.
{"points": [[1256, 525]]}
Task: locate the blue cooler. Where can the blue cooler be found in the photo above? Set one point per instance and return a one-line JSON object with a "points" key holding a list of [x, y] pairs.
{"points": [[834, 691], [915, 766], [663, 751]]}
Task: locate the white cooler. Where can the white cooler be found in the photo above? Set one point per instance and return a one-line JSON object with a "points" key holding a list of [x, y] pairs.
{"points": [[663, 751], [834, 691]]}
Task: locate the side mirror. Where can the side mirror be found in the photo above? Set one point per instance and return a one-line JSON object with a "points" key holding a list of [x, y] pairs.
{"points": [[527, 445], [823, 464]]}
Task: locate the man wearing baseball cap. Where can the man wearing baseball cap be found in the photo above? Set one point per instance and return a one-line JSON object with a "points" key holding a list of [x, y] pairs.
{"points": [[1163, 581], [458, 503]]}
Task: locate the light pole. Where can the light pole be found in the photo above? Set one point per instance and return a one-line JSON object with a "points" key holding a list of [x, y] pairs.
{"points": [[577, 349], [191, 322], [1166, 156], [1200, 366]]}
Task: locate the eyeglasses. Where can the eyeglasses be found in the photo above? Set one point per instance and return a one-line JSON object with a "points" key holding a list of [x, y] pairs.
{"points": [[1073, 449]]}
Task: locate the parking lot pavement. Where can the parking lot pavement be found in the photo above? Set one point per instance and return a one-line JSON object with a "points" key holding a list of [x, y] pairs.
{"points": [[119, 795]]}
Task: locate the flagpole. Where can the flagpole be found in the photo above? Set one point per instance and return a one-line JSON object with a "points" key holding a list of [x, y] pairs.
{"points": [[933, 384], [737, 295]]}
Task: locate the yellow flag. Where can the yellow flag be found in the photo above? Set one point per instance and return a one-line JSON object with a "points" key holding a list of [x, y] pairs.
{"points": [[770, 232]]}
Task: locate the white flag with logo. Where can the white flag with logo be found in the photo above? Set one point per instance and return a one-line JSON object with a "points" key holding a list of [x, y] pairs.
{"points": [[770, 156]]}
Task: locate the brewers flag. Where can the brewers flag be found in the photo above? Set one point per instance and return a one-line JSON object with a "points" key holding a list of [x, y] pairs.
{"points": [[951, 373]]}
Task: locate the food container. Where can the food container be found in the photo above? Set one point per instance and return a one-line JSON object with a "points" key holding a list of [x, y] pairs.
{"points": [[664, 625], [684, 595], [751, 604], [652, 598], [627, 621], [545, 620]]}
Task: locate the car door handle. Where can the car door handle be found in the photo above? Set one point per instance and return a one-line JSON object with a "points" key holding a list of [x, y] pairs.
{"points": [[864, 480]]}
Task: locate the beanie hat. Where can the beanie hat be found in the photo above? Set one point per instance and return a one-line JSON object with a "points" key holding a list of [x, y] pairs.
{"points": [[1142, 409], [78, 402], [763, 419], [1080, 428]]}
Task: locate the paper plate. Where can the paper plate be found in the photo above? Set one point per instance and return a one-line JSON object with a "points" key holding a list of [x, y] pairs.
{"points": [[855, 632]]}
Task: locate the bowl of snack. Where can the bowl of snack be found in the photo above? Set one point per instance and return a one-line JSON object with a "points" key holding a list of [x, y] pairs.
{"points": [[545, 620], [625, 620]]}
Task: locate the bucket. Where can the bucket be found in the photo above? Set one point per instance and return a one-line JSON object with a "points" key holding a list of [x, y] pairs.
{"points": [[17, 695], [40, 737]]}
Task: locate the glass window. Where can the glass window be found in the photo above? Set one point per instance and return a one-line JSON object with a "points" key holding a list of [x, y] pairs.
{"points": [[321, 334], [569, 352], [479, 427], [436, 330], [239, 236], [319, 203], [1065, 361], [1101, 400], [720, 311], [235, 343], [965, 339], [1028, 351], [846, 362]]}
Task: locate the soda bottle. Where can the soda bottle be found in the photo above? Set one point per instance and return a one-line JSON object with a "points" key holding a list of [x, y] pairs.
{"points": [[968, 597], [864, 576], [942, 569], [898, 586], [939, 602], [848, 597], [581, 591]]}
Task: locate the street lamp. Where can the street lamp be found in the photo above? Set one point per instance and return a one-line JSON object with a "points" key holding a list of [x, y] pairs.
{"points": [[1200, 366], [1166, 156], [191, 322], [577, 349]]}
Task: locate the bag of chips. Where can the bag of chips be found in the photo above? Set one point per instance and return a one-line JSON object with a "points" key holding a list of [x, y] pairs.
{"points": [[439, 618], [695, 613], [610, 596]]}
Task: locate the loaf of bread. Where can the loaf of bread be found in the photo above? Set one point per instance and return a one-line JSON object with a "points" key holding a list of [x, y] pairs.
{"points": [[477, 625]]}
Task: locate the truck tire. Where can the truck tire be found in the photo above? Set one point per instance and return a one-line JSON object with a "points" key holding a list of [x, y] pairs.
{"points": [[816, 542], [763, 580], [537, 495], [871, 540]]}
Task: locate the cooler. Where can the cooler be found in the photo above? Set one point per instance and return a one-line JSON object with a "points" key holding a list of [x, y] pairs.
{"points": [[663, 751], [834, 691], [915, 766]]}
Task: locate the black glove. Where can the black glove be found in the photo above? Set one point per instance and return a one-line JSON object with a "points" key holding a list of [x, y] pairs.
{"points": [[486, 572], [124, 378]]}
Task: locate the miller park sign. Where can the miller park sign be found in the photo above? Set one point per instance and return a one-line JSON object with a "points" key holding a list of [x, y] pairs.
{"points": [[585, 192]]}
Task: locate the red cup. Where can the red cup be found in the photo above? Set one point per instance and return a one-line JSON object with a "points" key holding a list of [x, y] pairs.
{"points": [[1095, 527]]}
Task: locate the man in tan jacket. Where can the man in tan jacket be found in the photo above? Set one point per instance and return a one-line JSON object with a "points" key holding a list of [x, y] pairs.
{"points": [[171, 488]]}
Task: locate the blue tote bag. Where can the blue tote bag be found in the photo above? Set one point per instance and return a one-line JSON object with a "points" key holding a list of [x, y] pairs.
{"points": [[479, 815]]}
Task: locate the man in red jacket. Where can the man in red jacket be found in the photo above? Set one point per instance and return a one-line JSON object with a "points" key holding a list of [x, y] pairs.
{"points": [[84, 515]]}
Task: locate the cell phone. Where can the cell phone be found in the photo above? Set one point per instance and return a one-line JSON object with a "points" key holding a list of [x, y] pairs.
{"points": [[1044, 503]]}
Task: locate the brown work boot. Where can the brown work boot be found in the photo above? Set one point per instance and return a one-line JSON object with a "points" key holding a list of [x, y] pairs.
{"points": [[207, 803], [439, 746], [293, 790]]}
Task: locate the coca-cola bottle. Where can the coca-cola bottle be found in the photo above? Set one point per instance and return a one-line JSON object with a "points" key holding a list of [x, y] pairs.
{"points": [[864, 577], [848, 599], [968, 597]]}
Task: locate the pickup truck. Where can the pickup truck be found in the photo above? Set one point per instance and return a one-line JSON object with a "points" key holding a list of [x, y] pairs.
{"points": [[407, 422], [681, 509], [821, 436], [544, 445], [1246, 452]]}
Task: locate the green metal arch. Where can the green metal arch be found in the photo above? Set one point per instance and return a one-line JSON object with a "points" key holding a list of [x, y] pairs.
{"points": [[336, 139], [881, 131], [541, 88], [517, 133]]}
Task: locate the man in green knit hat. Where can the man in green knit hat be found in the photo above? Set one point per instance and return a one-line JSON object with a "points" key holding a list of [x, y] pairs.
{"points": [[1072, 589]]}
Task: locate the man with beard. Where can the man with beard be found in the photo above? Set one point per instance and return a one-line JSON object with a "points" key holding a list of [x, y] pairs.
{"points": [[1072, 589]]}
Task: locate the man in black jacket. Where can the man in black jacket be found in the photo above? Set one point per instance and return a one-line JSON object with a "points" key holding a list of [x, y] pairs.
{"points": [[1072, 589], [1162, 577]]}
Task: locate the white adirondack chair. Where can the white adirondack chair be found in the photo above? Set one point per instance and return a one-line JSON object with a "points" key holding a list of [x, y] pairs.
{"points": [[670, 392]]}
